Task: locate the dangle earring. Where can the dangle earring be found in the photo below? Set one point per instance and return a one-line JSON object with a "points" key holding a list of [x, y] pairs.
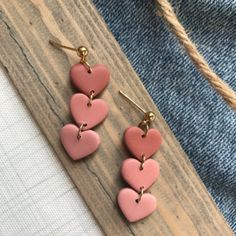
{"points": [[139, 172], [78, 140]]}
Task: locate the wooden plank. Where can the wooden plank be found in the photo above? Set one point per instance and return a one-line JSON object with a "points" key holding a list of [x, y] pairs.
{"points": [[40, 74]]}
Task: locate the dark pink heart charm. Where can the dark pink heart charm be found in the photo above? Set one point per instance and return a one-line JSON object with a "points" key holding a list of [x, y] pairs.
{"points": [[89, 115], [88, 142], [136, 177], [132, 209], [140, 144], [87, 82]]}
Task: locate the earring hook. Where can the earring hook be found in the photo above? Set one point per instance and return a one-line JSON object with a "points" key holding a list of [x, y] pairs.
{"points": [[81, 51]]}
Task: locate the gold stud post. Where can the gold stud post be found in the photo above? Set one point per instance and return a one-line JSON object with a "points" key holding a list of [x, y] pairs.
{"points": [[81, 51], [58, 45], [132, 101], [150, 115]]}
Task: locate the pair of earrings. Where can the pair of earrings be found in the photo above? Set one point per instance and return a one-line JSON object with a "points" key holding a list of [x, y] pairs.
{"points": [[79, 141]]}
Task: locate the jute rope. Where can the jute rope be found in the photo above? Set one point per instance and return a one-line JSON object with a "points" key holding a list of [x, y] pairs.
{"points": [[167, 12]]}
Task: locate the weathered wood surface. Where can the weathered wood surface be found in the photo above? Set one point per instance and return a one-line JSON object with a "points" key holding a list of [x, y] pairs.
{"points": [[40, 74]]}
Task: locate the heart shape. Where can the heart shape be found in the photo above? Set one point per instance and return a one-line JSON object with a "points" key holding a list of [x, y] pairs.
{"points": [[136, 178], [82, 147], [132, 210], [87, 82], [90, 115], [140, 144]]}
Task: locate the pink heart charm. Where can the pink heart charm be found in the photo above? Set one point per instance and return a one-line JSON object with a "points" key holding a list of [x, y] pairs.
{"points": [[89, 115], [140, 144], [132, 210], [136, 178], [87, 82], [82, 147]]}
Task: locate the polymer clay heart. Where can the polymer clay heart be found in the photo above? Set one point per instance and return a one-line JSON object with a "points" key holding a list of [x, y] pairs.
{"points": [[136, 178], [82, 147], [90, 115], [87, 82], [140, 144], [132, 210]]}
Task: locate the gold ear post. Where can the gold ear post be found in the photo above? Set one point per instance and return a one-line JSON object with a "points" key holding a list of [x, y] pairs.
{"points": [[149, 116], [81, 51], [58, 45], [132, 101]]}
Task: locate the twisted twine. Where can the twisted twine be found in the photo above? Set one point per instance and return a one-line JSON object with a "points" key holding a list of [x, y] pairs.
{"points": [[219, 85]]}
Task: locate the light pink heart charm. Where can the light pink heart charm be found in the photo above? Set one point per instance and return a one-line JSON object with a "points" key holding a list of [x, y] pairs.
{"points": [[82, 147], [140, 144], [136, 178], [90, 115], [87, 82], [132, 210]]}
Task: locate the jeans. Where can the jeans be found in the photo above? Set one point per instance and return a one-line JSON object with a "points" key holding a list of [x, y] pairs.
{"points": [[200, 119]]}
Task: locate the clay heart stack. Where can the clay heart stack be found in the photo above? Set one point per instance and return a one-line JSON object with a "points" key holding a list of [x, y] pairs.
{"points": [[79, 141], [140, 173]]}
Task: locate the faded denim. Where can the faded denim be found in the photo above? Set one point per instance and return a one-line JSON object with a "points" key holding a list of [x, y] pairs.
{"points": [[202, 122]]}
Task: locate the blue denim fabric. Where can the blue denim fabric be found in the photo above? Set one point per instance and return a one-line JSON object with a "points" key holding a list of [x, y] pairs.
{"points": [[202, 122]]}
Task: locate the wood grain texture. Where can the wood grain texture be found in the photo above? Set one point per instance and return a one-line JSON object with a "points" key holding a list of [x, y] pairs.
{"points": [[40, 74]]}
